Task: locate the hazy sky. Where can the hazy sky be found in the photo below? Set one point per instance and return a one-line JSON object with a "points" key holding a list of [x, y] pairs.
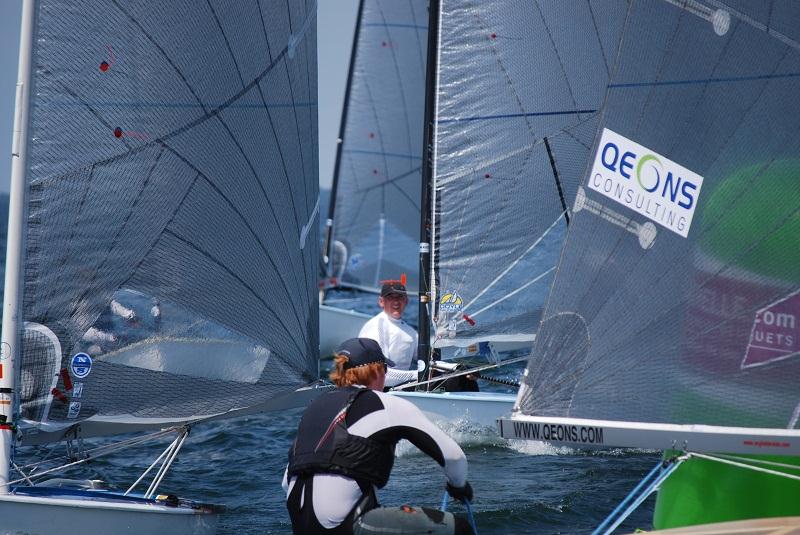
{"points": [[335, 23]]}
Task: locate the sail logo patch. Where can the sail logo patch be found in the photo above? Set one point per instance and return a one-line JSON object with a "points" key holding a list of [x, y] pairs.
{"points": [[451, 302], [81, 365], [646, 182], [775, 334]]}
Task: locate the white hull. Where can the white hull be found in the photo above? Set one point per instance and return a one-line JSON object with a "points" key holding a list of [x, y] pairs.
{"points": [[43, 515], [337, 325], [471, 409]]}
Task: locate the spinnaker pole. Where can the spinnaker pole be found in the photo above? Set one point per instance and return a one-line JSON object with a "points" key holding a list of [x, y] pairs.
{"points": [[328, 244], [15, 248], [426, 271]]}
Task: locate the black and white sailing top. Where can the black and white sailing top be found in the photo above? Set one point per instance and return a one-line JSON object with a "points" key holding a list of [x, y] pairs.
{"points": [[386, 418]]}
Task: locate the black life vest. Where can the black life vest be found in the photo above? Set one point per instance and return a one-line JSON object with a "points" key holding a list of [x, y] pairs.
{"points": [[324, 446]]}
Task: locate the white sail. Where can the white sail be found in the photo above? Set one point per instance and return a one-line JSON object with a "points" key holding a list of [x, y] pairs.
{"points": [[674, 309], [171, 186]]}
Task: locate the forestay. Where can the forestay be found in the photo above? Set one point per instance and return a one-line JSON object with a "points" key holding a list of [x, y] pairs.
{"points": [[171, 233], [377, 210], [677, 298], [519, 88]]}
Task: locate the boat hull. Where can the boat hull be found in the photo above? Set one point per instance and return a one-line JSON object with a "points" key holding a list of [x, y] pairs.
{"points": [[703, 492], [471, 409], [96, 513], [337, 325]]}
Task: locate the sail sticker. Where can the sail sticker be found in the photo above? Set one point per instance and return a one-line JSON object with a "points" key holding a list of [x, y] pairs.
{"points": [[646, 182], [77, 390], [451, 302], [775, 332], [74, 410], [577, 434], [81, 365]]}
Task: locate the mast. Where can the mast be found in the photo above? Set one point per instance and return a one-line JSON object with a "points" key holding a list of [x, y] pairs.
{"points": [[326, 248], [426, 270], [15, 247]]}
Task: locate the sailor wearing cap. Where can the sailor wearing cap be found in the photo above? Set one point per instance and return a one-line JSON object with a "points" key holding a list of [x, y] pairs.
{"points": [[344, 451], [398, 340]]}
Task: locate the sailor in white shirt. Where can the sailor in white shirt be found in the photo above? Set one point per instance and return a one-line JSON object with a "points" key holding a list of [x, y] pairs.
{"points": [[398, 340]]}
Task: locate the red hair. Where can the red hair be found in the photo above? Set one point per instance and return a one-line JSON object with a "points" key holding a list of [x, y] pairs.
{"points": [[360, 375]]}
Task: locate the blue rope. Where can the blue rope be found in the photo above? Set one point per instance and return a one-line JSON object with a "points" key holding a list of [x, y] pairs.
{"points": [[628, 498], [663, 472], [470, 517], [468, 506]]}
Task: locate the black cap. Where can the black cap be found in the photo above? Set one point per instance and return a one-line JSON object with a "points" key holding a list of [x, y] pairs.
{"points": [[362, 351], [393, 287]]}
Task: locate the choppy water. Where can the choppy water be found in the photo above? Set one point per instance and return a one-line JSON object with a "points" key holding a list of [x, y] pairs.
{"points": [[519, 487]]}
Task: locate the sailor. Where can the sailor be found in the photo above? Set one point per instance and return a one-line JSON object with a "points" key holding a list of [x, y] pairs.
{"points": [[344, 450], [398, 340]]}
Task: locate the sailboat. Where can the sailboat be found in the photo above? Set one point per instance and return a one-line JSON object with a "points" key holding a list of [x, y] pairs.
{"points": [[373, 217], [504, 148], [672, 322], [161, 266]]}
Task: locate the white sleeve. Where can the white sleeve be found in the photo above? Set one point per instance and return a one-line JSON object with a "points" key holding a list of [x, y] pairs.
{"points": [[395, 376], [412, 425]]}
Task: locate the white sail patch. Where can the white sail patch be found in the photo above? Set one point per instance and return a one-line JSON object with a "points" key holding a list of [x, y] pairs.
{"points": [[646, 182]]}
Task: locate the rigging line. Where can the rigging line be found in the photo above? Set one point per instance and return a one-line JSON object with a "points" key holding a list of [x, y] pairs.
{"points": [[84, 460], [511, 294], [758, 461], [233, 207], [745, 466], [558, 181], [644, 481], [515, 262], [485, 367], [652, 487], [795, 417]]}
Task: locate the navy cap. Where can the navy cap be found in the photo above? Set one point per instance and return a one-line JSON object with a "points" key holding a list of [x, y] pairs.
{"points": [[362, 351], [393, 287]]}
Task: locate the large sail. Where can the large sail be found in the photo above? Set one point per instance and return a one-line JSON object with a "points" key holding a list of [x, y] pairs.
{"points": [[171, 233], [377, 206], [519, 88], [677, 299]]}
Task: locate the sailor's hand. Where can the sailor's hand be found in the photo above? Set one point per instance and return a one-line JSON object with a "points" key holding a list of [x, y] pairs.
{"points": [[460, 493]]}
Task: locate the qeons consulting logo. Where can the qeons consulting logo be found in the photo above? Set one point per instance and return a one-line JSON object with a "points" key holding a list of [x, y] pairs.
{"points": [[645, 182]]}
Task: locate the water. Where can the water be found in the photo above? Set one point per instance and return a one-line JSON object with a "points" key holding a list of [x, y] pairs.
{"points": [[519, 487]]}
